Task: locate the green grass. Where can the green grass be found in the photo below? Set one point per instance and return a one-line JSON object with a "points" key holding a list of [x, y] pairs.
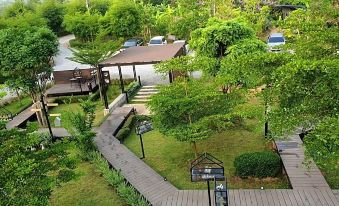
{"points": [[331, 172], [64, 109], [88, 188], [15, 107], [171, 158]]}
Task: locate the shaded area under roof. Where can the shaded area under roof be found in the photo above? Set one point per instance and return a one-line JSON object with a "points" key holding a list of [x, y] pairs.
{"points": [[145, 55]]}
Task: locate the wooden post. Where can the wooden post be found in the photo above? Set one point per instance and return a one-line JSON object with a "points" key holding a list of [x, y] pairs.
{"points": [[121, 80], [134, 73]]}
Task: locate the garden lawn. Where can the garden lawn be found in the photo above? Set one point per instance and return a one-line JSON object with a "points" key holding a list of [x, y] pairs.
{"points": [[171, 158], [64, 109], [87, 188], [15, 107], [331, 174]]}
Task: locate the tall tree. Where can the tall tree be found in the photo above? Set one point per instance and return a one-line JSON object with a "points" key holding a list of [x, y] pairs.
{"points": [[123, 19], [53, 12], [191, 110], [24, 56], [28, 173], [93, 54]]}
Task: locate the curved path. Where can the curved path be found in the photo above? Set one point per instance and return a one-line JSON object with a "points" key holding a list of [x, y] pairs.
{"points": [[161, 193]]}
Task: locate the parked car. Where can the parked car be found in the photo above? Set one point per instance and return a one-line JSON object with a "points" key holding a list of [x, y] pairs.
{"points": [[276, 39], [133, 42], [158, 40]]}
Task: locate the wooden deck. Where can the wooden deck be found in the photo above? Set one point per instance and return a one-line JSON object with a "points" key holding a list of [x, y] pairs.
{"points": [[161, 193], [70, 89], [292, 155], [21, 118], [248, 197]]}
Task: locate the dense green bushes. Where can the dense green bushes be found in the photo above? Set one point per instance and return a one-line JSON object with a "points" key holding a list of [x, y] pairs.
{"points": [[126, 129], [129, 125], [257, 164], [127, 192]]}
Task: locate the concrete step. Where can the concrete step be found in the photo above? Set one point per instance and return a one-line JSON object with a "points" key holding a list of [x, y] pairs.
{"points": [[150, 87], [141, 100], [142, 96], [148, 90], [147, 93]]}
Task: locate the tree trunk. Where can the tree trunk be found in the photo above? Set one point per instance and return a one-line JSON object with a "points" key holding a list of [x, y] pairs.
{"points": [[194, 144], [18, 95], [99, 83]]}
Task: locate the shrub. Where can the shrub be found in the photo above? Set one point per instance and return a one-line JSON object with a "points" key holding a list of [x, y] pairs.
{"points": [[66, 175], [140, 118], [257, 164], [32, 127], [3, 124], [123, 133]]}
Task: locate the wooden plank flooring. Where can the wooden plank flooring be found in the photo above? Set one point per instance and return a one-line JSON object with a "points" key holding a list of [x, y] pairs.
{"points": [[292, 155], [161, 193], [20, 118]]}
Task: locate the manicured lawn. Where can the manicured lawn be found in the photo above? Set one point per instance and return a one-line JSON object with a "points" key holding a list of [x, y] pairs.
{"points": [[64, 109], [172, 158], [15, 107], [331, 175], [88, 188]]}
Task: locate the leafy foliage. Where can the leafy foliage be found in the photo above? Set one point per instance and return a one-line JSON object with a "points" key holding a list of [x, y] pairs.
{"points": [[258, 164], [122, 20], [26, 172], [217, 36], [53, 12], [81, 129]]}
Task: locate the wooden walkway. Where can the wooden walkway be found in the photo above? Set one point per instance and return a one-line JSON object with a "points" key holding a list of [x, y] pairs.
{"points": [[161, 193], [292, 155], [70, 89], [21, 118], [251, 197]]}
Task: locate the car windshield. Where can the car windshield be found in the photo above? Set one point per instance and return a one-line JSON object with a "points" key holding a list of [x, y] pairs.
{"points": [[276, 39], [130, 43], [155, 41]]}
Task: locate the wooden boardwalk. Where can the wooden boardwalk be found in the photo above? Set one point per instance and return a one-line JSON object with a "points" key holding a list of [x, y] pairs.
{"points": [[292, 155], [251, 197], [161, 193], [21, 118]]}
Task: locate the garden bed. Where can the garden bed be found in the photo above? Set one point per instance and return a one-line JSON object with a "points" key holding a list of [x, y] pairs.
{"points": [[171, 158]]}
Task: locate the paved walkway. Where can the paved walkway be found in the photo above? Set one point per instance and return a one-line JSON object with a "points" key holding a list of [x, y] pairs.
{"points": [[20, 118], [161, 193], [292, 155]]}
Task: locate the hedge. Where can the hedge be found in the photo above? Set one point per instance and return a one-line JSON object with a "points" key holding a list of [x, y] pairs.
{"points": [[126, 129], [258, 164]]}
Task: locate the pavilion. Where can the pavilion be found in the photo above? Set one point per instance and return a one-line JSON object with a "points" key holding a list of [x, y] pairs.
{"points": [[142, 55]]}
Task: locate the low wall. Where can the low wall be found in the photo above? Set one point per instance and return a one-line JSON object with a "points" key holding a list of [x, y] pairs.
{"points": [[118, 102]]}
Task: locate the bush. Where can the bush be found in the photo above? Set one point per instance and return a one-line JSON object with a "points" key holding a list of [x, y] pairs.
{"points": [[257, 164], [123, 133], [126, 129], [3, 124]]}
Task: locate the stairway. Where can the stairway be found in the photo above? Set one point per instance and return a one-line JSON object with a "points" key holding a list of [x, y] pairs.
{"points": [[144, 94]]}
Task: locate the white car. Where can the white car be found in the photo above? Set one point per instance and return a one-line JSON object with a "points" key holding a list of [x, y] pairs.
{"points": [[276, 39], [158, 40]]}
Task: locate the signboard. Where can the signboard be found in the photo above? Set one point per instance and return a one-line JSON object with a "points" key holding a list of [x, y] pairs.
{"points": [[204, 174], [206, 168], [144, 127]]}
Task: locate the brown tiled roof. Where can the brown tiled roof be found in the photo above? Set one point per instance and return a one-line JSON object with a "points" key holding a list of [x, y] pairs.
{"points": [[145, 55]]}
